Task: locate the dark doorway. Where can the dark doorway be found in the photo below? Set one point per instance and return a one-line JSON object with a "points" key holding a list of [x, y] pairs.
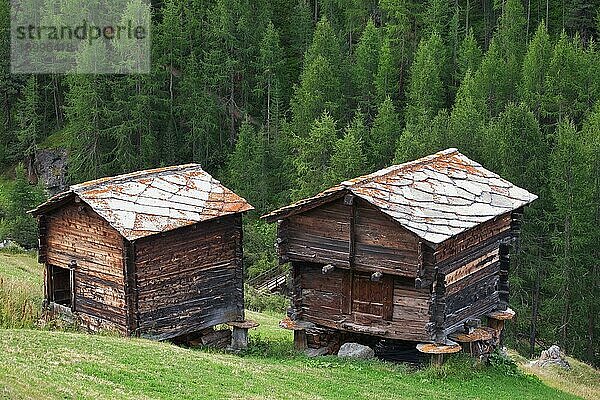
{"points": [[61, 288]]}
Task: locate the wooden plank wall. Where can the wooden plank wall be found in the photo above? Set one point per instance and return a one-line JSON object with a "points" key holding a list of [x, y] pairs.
{"points": [[469, 268], [382, 244], [320, 235], [190, 278], [320, 298], [76, 232]]}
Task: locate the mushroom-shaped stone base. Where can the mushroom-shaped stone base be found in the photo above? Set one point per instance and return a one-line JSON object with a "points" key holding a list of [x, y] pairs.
{"points": [[239, 338], [437, 351]]}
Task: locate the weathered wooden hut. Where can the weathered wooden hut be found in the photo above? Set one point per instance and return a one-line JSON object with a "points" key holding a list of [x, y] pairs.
{"points": [[155, 253], [411, 252]]}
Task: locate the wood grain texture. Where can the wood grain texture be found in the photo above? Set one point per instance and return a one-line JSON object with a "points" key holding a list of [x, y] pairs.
{"points": [[189, 279], [76, 233]]}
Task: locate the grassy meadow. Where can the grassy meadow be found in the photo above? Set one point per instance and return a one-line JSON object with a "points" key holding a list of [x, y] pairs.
{"points": [[50, 364]]}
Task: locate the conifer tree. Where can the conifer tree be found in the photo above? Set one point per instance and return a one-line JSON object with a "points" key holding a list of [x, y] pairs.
{"points": [[365, 68], [386, 78], [535, 67], [426, 93], [469, 56], [247, 167], [568, 184], [314, 157], [86, 130], [21, 197], [467, 123], [564, 82], [381, 143], [319, 91], [348, 159], [271, 79], [28, 118], [437, 18], [591, 136], [493, 82], [423, 138]]}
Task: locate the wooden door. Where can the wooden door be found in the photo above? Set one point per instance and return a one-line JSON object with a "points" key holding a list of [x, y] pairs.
{"points": [[373, 297]]}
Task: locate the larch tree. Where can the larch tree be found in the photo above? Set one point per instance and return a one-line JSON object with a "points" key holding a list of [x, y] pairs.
{"points": [[28, 118], [469, 56], [381, 142], [247, 166], [568, 187], [591, 281], [535, 68], [314, 157], [426, 93], [348, 159], [271, 79], [466, 125], [365, 68], [386, 78]]}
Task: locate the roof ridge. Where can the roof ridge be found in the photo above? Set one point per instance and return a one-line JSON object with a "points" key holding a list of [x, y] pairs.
{"points": [[361, 180], [129, 175]]}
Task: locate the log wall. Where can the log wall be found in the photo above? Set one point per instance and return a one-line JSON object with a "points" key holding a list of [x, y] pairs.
{"points": [[328, 300], [469, 269], [323, 235], [190, 278], [72, 233]]}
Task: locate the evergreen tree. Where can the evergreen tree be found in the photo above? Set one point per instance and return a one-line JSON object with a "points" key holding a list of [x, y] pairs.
{"points": [[348, 159], [319, 91], [493, 82], [535, 67], [296, 39], [85, 112], [386, 78], [437, 18], [426, 93], [564, 82], [271, 79], [467, 123], [469, 56], [365, 68], [423, 138], [568, 184], [28, 118], [314, 157], [381, 142], [591, 281], [247, 167], [15, 223]]}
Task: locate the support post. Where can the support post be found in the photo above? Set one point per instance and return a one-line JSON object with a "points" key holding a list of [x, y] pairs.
{"points": [[239, 338], [300, 343]]}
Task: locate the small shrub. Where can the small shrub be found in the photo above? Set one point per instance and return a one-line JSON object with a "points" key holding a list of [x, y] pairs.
{"points": [[260, 301], [504, 364]]}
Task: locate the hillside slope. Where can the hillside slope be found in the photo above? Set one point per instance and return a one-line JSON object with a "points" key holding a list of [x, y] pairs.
{"points": [[46, 364], [39, 364]]}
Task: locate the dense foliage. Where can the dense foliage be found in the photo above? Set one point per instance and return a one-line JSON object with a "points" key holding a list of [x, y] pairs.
{"points": [[282, 98]]}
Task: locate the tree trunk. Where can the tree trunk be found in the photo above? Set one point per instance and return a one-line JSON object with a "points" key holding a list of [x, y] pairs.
{"points": [[534, 313]]}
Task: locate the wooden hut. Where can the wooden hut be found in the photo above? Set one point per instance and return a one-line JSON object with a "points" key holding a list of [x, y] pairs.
{"points": [[155, 253], [412, 252]]}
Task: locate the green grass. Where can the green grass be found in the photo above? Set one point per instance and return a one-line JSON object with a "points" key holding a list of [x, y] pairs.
{"points": [[56, 140], [21, 290], [582, 379], [46, 364]]}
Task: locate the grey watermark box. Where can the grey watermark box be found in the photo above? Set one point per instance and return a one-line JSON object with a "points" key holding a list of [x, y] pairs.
{"points": [[76, 36]]}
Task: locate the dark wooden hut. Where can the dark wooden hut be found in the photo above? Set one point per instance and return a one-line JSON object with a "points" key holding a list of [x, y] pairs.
{"points": [[155, 253], [412, 252]]}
